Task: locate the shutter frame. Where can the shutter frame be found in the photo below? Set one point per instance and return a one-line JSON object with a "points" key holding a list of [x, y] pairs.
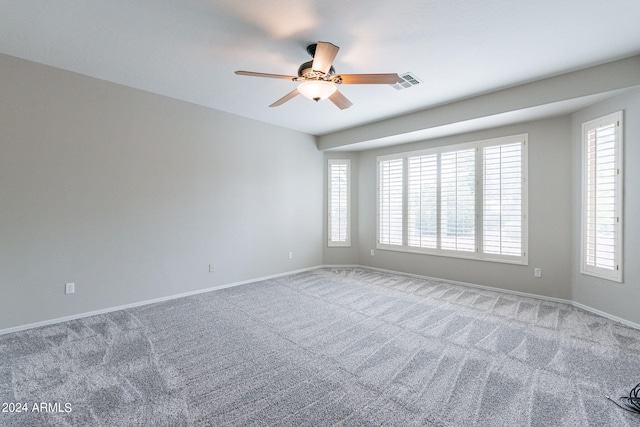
{"points": [[339, 202], [602, 197], [391, 201]]}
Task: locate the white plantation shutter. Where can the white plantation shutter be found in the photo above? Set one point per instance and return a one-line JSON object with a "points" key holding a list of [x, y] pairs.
{"points": [[390, 202], [338, 200], [422, 212], [602, 197], [502, 179], [428, 203], [458, 201]]}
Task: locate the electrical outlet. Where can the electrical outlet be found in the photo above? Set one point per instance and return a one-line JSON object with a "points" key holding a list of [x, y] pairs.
{"points": [[373, 253], [211, 268], [537, 272], [69, 288], [290, 255]]}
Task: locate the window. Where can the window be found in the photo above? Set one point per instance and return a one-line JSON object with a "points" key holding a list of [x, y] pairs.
{"points": [[602, 197], [466, 200], [422, 212], [390, 176], [502, 199], [458, 200], [339, 203]]}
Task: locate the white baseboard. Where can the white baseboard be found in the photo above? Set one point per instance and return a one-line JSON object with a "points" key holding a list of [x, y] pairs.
{"points": [[605, 314], [146, 302], [273, 276]]}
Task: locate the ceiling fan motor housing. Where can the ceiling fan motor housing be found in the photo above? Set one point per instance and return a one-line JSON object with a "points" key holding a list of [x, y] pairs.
{"points": [[306, 70]]}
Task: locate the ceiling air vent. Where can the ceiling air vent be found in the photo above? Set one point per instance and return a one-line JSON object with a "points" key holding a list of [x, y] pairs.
{"points": [[406, 81]]}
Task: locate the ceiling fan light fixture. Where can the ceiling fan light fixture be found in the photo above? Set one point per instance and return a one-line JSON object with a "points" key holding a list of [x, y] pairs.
{"points": [[317, 89]]}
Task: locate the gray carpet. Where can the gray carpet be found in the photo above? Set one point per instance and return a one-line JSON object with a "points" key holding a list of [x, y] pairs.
{"points": [[346, 347]]}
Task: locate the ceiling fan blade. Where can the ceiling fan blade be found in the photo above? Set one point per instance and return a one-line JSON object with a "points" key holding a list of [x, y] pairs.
{"points": [[324, 56], [271, 76], [369, 79], [340, 100], [285, 98]]}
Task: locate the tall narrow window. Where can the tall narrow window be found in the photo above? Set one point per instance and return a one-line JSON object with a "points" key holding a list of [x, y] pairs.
{"points": [[339, 227], [390, 201], [458, 201], [502, 199], [602, 197], [422, 212]]}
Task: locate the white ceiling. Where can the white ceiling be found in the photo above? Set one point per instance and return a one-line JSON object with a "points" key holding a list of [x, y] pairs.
{"points": [[189, 49]]}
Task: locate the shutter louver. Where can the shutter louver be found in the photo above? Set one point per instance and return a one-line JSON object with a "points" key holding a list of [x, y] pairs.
{"points": [[457, 199], [602, 194], [601, 198], [339, 220], [390, 202], [502, 199], [422, 214]]}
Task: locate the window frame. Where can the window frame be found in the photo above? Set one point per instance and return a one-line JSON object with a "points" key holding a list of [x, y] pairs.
{"points": [[508, 140], [347, 241], [378, 204], [617, 119], [478, 253]]}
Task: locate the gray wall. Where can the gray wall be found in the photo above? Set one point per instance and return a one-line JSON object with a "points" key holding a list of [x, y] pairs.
{"points": [[618, 299], [549, 216], [131, 195]]}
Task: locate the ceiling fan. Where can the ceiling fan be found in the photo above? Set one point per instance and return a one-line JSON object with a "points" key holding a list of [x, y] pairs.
{"points": [[318, 79]]}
